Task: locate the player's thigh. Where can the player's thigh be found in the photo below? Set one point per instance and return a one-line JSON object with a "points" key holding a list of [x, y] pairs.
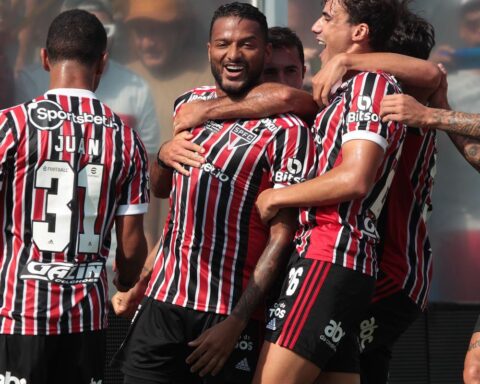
{"points": [[281, 365]]}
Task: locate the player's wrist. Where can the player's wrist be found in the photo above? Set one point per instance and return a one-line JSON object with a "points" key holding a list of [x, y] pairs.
{"points": [[124, 285], [160, 162]]}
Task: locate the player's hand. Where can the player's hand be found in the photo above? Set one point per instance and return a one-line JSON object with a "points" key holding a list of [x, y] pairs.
{"points": [[265, 206], [190, 115], [327, 78], [180, 151], [213, 346], [404, 109], [125, 304]]}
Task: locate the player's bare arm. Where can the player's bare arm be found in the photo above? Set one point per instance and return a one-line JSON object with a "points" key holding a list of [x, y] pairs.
{"points": [[264, 100], [126, 303], [471, 372], [131, 250], [420, 76], [351, 180], [215, 345]]}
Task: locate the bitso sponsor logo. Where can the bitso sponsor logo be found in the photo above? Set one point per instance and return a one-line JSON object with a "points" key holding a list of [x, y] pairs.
{"points": [[367, 329], [63, 273], [333, 333], [294, 169], [48, 115], [239, 136], [364, 112], [8, 378]]}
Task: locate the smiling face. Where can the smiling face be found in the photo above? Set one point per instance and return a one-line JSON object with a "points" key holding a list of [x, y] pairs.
{"points": [[237, 52], [333, 30]]}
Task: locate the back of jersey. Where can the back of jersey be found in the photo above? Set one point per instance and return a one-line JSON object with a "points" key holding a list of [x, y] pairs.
{"points": [[68, 166]]}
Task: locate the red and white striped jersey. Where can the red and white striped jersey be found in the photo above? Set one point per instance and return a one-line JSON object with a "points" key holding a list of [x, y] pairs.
{"points": [[213, 236], [406, 254], [345, 233], [68, 166]]}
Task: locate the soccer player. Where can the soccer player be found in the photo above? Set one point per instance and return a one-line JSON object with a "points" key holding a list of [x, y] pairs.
{"points": [[217, 260], [69, 168], [330, 279]]}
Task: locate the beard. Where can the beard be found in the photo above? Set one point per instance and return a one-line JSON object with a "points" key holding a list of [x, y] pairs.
{"points": [[240, 87]]}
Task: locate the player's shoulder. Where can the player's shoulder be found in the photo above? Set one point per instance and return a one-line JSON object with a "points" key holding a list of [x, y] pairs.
{"points": [[206, 92], [372, 80], [284, 121]]}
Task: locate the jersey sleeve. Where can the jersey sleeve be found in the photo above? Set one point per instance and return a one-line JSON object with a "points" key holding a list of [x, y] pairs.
{"points": [[135, 194], [361, 119], [291, 154], [7, 143]]}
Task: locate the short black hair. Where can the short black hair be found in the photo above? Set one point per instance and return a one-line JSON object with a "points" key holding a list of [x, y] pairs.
{"points": [[76, 35], [283, 37], [243, 11], [380, 15], [413, 36]]}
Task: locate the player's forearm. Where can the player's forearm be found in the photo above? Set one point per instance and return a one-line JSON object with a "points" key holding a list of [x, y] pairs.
{"points": [[409, 70], [160, 179], [130, 258], [269, 265], [469, 148], [337, 185], [264, 100], [459, 123]]}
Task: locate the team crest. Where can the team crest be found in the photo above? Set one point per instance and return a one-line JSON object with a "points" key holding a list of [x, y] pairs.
{"points": [[239, 136]]}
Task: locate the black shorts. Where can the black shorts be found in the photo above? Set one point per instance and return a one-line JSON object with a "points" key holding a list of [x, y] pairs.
{"points": [[156, 347], [380, 328], [320, 303], [77, 358]]}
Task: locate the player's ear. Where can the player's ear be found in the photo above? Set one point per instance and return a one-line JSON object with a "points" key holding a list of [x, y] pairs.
{"points": [[268, 52], [44, 59], [360, 32], [102, 63], [208, 50]]}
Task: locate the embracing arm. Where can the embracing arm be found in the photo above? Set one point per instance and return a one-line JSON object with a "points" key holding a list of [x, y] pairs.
{"points": [[351, 180], [261, 101], [213, 347], [420, 76]]}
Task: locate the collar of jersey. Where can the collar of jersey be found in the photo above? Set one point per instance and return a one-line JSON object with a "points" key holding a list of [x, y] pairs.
{"points": [[71, 92]]}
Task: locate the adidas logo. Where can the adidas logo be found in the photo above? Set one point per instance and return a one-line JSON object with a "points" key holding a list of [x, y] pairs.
{"points": [[242, 365], [272, 325]]}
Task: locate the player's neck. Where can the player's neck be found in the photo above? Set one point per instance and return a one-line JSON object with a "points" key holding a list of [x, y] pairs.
{"points": [[70, 74]]}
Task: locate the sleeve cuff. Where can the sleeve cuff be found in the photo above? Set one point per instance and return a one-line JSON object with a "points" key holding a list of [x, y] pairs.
{"points": [[365, 135], [133, 209]]}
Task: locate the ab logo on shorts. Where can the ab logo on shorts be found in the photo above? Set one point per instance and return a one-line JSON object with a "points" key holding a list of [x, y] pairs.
{"points": [[333, 334], [367, 328], [9, 379]]}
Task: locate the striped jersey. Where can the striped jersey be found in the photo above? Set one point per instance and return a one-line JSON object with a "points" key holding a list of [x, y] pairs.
{"points": [[345, 233], [68, 166], [213, 236], [406, 253]]}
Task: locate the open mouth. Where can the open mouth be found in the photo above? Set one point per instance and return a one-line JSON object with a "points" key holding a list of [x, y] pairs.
{"points": [[234, 70]]}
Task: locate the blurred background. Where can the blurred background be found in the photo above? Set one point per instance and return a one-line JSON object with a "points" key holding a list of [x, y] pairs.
{"points": [[158, 51]]}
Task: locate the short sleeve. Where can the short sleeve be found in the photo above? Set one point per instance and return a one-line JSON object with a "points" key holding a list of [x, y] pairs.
{"points": [[362, 109], [291, 154], [135, 194]]}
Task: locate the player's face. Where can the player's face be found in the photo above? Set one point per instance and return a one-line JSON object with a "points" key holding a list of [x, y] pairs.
{"points": [[155, 43], [285, 67], [237, 53], [333, 30]]}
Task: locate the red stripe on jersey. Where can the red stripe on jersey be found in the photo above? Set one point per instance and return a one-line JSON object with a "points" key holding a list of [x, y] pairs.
{"points": [[345, 233], [213, 236]]}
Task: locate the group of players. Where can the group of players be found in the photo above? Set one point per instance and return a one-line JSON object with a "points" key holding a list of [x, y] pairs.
{"points": [[290, 255]]}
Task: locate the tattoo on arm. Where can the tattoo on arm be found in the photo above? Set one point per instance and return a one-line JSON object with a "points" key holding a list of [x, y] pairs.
{"points": [[474, 345], [469, 149], [460, 123], [263, 277]]}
